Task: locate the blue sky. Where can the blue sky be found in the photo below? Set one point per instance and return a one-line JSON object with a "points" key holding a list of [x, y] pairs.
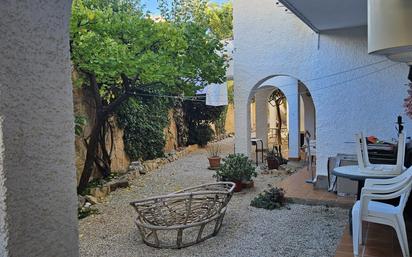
{"points": [[151, 5]]}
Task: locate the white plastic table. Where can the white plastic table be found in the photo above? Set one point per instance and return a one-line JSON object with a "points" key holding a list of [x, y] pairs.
{"points": [[353, 172]]}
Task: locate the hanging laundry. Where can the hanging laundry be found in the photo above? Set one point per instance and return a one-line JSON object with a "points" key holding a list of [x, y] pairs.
{"points": [[216, 94]]}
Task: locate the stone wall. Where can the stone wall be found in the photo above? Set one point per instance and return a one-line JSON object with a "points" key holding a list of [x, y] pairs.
{"points": [[230, 119]]}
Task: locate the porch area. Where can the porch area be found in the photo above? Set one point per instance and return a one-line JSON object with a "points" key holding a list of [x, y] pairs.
{"points": [[380, 240]]}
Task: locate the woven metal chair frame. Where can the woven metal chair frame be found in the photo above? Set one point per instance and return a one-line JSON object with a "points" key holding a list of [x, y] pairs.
{"points": [[185, 217]]}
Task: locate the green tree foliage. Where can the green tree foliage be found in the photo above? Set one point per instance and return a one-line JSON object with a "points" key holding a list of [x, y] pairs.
{"points": [[120, 53], [218, 19]]}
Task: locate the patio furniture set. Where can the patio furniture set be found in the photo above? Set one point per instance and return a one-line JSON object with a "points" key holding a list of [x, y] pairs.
{"points": [[378, 183]]}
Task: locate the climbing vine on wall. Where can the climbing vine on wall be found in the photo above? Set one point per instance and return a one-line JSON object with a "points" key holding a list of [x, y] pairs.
{"points": [[220, 122], [144, 121]]}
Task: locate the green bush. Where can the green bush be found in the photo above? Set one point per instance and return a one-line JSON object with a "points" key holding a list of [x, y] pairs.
{"points": [[200, 134], [198, 117], [274, 198], [236, 167], [85, 212]]}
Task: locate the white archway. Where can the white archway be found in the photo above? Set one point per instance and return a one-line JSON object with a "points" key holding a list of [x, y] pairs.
{"points": [[296, 95]]}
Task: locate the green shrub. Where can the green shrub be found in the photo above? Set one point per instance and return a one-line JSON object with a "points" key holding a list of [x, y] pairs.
{"points": [[84, 212], [198, 117], [236, 167], [200, 134], [274, 198]]}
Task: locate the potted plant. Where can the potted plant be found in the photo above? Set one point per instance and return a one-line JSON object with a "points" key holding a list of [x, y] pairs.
{"points": [[236, 168], [272, 158], [248, 173], [214, 156]]}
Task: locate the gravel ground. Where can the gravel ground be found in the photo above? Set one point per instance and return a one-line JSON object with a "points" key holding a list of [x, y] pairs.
{"points": [[246, 231]]}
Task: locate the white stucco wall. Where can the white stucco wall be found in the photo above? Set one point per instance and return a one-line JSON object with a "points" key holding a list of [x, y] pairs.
{"points": [[38, 201], [268, 42]]}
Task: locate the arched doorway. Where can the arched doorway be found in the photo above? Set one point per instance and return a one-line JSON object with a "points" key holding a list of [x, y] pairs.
{"points": [[297, 114]]}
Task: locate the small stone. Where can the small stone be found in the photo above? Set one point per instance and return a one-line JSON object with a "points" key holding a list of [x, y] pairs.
{"points": [[87, 205], [100, 192], [91, 199], [123, 183], [81, 200]]}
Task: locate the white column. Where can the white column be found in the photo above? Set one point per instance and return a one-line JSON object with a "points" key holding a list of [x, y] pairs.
{"points": [[262, 115], [38, 201], [289, 86], [293, 112], [242, 120], [309, 114]]}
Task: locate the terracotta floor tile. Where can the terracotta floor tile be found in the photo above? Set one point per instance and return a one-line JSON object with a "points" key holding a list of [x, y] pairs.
{"points": [[397, 253], [296, 188], [380, 243], [345, 248], [377, 251], [344, 254]]}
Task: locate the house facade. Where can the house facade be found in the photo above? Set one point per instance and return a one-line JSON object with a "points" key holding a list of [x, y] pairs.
{"points": [[344, 89]]}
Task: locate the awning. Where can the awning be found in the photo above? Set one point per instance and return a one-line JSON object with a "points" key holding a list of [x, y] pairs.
{"points": [[322, 15]]}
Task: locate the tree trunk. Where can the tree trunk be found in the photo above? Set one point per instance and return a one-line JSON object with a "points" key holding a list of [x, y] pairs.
{"points": [[279, 130], [98, 133], [92, 147]]}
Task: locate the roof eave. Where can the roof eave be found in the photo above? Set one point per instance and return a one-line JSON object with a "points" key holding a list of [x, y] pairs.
{"points": [[303, 18]]}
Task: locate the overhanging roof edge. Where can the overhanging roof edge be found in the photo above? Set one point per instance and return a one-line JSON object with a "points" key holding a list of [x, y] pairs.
{"points": [[291, 8]]}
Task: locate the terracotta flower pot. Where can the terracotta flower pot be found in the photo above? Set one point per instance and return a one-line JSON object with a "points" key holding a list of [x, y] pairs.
{"points": [[238, 186], [214, 162], [248, 184], [273, 163]]}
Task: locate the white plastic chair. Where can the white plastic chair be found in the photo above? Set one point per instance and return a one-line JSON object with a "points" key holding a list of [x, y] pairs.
{"points": [[310, 151], [368, 209], [389, 169]]}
